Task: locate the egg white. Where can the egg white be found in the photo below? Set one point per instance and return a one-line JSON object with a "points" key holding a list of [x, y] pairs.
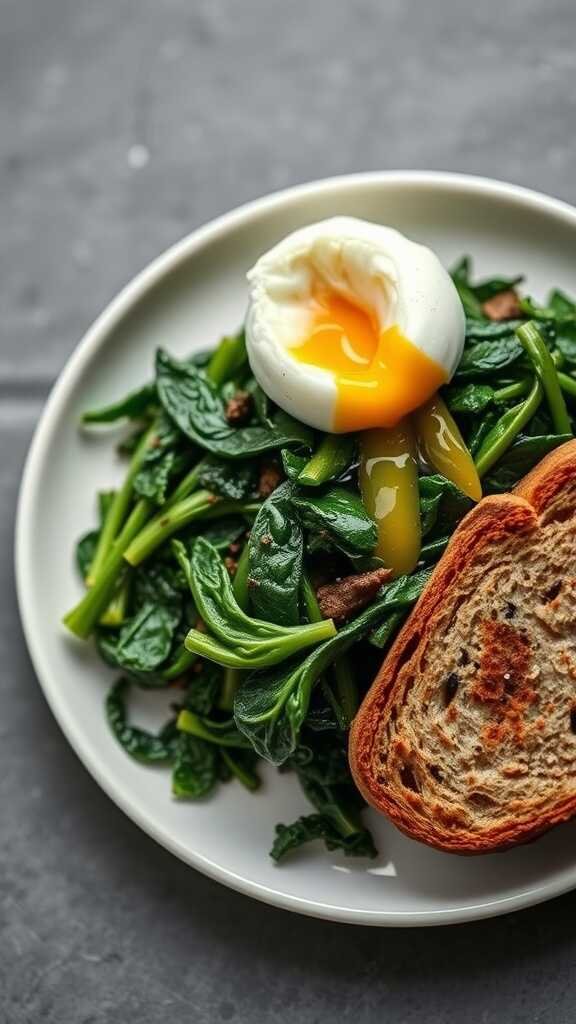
{"points": [[402, 282]]}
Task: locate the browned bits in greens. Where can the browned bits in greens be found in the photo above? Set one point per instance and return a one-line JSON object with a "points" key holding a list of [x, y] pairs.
{"points": [[199, 567]]}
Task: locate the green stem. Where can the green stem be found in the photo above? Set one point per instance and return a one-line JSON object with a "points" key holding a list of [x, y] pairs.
{"points": [[240, 582], [229, 357], [82, 619], [331, 458], [116, 610], [504, 432], [568, 385], [260, 653], [535, 347], [193, 724], [512, 391], [182, 662], [248, 779], [232, 676], [310, 600], [118, 509], [347, 701], [167, 522], [188, 484]]}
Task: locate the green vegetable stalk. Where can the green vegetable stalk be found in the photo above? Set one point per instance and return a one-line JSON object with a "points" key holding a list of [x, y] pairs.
{"points": [[118, 509], [166, 523], [229, 357], [82, 619], [331, 458], [533, 343], [270, 708], [236, 639], [232, 676], [507, 428], [346, 687]]}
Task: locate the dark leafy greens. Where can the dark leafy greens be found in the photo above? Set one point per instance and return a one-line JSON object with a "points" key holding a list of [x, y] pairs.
{"points": [[193, 402], [271, 710], [203, 568], [276, 551], [338, 515]]}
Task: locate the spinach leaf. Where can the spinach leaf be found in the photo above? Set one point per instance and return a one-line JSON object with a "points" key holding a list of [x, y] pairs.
{"points": [[202, 693], [487, 357], [143, 643], [470, 303], [135, 405], [220, 533], [165, 457], [489, 330], [262, 404], [339, 514], [480, 430], [442, 505], [234, 480], [195, 405], [276, 549], [470, 398], [238, 640], [492, 286], [85, 551], [159, 581], [566, 340], [270, 708], [138, 743], [561, 304], [293, 464], [195, 770], [524, 454]]}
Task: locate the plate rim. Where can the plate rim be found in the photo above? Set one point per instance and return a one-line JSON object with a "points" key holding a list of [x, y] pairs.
{"points": [[86, 349]]}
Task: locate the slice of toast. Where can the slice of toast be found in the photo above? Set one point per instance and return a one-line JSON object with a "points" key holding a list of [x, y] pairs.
{"points": [[467, 738]]}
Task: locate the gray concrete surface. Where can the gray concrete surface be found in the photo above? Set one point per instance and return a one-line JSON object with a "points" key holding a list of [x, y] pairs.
{"points": [[125, 123]]}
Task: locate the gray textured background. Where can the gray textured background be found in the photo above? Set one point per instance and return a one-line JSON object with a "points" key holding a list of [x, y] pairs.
{"points": [[125, 123]]}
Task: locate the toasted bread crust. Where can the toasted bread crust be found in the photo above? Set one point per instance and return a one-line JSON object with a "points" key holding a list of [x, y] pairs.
{"points": [[494, 519]]}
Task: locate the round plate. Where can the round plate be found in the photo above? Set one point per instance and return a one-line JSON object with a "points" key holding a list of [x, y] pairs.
{"points": [[186, 299]]}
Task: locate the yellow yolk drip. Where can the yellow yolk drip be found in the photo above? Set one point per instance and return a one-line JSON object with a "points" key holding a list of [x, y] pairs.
{"points": [[443, 447], [380, 376]]}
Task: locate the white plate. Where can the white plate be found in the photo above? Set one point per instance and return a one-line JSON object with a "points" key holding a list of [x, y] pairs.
{"points": [[187, 298]]}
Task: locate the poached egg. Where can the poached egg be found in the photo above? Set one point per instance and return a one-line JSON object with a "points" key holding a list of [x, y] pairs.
{"points": [[351, 325]]}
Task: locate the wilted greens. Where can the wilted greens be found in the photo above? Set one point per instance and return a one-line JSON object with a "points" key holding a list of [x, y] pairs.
{"points": [[203, 569]]}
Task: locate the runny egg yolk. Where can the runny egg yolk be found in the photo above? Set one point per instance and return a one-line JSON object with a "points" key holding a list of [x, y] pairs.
{"points": [[380, 375]]}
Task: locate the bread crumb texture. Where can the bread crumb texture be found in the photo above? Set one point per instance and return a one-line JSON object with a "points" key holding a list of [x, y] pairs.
{"points": [[468, 738]]}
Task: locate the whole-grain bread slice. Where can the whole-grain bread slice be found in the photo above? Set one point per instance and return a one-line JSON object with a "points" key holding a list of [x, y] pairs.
{"points": [[467, 738]]}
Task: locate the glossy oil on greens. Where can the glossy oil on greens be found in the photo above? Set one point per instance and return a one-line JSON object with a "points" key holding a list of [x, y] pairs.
{"points": [[201, 575]]}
